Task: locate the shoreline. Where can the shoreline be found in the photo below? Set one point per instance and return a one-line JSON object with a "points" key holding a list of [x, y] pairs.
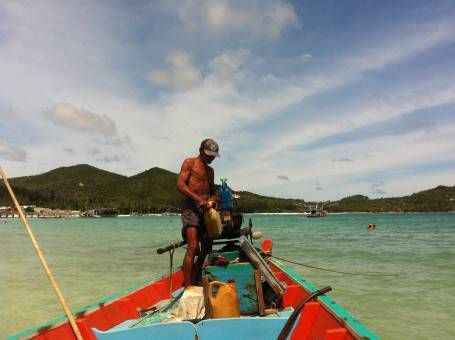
{"points": [[73, 215]]}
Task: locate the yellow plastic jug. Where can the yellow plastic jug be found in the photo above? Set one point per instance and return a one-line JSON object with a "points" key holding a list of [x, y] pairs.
{"points": [[212, 222], [225, 304]]}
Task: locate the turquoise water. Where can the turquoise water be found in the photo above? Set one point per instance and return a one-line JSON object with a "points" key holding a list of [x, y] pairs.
{"points": [[93, 258]]}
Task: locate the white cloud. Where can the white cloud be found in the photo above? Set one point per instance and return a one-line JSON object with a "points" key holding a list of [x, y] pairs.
{"points": [[12, 153], [260, 18], [371, 112], [393, 48], [215, 105], [181, 74], [226, 68], [399, 48], [306, 57], [384, 159], [409, 42], [245, 98], [67, 115]]}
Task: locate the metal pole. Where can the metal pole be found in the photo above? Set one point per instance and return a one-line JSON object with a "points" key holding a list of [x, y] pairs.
{"points": [[42, 259]]}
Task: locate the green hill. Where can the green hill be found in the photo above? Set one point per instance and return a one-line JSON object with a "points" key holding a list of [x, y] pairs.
{"points": [[76, 187], [83, 187], [441, 198]]}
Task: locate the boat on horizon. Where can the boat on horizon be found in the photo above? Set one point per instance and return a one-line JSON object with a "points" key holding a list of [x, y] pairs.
{"points": [[272, 299], [316, 212]]}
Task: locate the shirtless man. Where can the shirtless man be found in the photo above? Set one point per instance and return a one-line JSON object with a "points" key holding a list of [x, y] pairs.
{"points": [[196, 182]]}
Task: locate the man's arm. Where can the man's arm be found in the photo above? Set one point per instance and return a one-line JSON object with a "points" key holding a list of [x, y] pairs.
{"points": [[182, 181]]}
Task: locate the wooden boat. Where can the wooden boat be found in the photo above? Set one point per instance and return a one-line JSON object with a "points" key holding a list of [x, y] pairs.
{"points": [[269, 295], [317, 212]]}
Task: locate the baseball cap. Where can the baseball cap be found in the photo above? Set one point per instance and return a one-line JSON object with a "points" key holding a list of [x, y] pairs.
{"points": [[210, 147]]}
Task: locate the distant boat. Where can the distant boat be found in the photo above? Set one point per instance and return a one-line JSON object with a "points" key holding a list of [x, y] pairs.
{"points": [[316, 212]]}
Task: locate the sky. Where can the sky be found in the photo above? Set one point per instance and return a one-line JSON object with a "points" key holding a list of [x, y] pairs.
{"points": [[316, 100]]}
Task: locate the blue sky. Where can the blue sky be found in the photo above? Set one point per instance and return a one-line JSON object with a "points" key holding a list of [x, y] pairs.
{"points": [[307, 99]]}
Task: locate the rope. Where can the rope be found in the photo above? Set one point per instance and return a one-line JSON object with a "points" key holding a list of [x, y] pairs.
{"points": [[332, 270]]}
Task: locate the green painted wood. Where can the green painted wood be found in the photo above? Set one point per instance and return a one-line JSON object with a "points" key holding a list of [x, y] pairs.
{"points": [[228, 255]]}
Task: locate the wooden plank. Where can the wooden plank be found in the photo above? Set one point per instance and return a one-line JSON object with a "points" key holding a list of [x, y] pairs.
{"points": [[257, 260], [205, 285], [261, 306]]}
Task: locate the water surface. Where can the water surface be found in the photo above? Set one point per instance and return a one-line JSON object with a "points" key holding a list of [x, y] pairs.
{"points": [[93, 258]]}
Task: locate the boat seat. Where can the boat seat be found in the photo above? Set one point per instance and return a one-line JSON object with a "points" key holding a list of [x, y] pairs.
{"points": [[243, 328], [183, 330]]}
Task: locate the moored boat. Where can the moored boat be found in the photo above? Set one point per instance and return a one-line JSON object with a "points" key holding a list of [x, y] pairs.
{"points": [[316, 212]]}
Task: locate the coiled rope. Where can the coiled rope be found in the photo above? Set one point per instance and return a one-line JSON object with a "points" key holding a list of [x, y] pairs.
{"points": [[333, 270]]}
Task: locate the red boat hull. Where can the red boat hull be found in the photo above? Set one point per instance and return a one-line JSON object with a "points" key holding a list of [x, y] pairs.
{"points": [[316, 320]]}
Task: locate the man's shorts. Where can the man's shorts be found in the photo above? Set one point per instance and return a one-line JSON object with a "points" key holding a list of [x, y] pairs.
{"points": [[192, 216]]}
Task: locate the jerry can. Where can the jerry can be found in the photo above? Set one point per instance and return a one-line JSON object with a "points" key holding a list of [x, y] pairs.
{"points": [[212, 222], [226, 303]]}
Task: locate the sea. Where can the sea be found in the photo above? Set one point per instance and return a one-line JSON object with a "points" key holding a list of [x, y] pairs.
{"points": [[92, 258]]}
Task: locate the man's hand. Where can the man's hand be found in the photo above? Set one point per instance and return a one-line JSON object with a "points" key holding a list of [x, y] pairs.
{"points": [[206, 205], [213, 201]]}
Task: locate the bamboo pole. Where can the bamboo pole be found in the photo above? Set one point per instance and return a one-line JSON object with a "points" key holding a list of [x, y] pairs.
{"points": [[42, 259]]}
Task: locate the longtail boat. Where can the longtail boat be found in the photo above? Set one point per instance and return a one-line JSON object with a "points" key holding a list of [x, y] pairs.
{"points": [[273, 302]]}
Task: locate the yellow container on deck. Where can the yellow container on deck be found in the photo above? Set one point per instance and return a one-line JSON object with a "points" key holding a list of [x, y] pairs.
{"points": [[226, 303], [212, 222]]}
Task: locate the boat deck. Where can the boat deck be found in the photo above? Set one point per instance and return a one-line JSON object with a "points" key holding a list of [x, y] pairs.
{"points": [[117, 317]]}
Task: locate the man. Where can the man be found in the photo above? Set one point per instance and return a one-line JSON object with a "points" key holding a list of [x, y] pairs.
{"points": [[196, 182]]}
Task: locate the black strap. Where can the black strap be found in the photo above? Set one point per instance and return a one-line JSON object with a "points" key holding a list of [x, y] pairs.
{"points": [[290, 323]]}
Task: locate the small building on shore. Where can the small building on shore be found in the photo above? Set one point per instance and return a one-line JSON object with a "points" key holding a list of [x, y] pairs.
{"points": [[101, 212], [8, 211]]}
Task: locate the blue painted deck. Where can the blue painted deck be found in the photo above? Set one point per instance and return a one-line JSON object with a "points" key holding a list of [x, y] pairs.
{"points": [[262, 328], [173, 330]]}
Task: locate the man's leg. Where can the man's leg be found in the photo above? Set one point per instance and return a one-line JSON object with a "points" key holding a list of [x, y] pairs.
{"points": [[192, 238], [206, 248]]}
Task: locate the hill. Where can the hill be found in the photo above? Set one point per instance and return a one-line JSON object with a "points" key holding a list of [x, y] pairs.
{"points": [[83, 187], [441, 198]]}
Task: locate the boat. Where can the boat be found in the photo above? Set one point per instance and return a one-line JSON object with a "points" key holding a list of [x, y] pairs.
{"points": [[316, 212], [273, 302]]}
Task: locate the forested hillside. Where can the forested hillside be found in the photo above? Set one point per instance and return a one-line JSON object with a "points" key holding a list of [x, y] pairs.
{"points": [[83, 187], [441, 198]]}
